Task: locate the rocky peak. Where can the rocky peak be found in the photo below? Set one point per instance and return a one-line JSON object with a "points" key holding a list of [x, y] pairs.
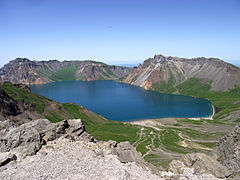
{"points": [[161, 57], [174, 70], [21, 60]]}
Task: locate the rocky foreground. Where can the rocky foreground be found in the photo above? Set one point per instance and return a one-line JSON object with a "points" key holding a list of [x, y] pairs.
{"points": [[66, 159], [63, 159], [64, 150]]}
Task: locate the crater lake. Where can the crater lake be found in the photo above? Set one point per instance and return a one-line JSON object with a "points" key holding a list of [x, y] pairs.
{"points": [[124, 102]]}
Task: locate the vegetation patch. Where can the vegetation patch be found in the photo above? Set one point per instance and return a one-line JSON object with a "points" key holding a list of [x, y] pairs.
{"points": [[142, 146], [110, 72], [165, 86], [64, 74], [208, 144], [156, 141], [170, 139]]}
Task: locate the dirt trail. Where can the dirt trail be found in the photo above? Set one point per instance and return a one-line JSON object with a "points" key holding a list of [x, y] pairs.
{"points": [[135, 144], [193, 140]]}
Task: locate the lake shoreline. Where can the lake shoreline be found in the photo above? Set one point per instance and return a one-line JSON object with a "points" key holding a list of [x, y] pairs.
{"points": [[207, 118], [144, 121]]}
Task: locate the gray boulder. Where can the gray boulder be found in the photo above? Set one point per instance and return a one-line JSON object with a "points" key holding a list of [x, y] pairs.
{"points": [[127, 153], [28, 138], [76, 129], [24, 139]]}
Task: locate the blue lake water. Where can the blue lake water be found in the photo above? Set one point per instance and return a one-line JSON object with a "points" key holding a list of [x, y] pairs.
{"points": [[123, 102]]}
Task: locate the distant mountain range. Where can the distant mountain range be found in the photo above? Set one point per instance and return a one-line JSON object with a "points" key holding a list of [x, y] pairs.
{"points": [[161, 73], [23, 70]]}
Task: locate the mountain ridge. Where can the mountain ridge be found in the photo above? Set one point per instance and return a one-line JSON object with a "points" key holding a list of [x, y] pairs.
{"points": [[23, 70], [171, 71]]}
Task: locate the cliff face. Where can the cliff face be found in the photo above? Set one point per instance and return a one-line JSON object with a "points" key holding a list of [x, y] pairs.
{"points": [[227, 150], [172, 71], [40, 72]]}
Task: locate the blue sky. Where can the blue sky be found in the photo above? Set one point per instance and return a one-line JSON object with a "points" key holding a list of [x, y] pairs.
{"points": [[119, 31]]}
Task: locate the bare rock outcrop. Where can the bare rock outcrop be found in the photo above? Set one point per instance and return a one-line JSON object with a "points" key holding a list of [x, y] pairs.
{"points": [[28, 138], [67, 159], [201, 164], [227, 151], [127, 153]]}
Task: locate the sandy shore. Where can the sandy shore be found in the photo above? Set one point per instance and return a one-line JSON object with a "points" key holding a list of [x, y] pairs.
{"points": [[209, 118]]}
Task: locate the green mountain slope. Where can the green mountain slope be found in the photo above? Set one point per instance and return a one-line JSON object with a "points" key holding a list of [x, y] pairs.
{"points": [[225, 103]]}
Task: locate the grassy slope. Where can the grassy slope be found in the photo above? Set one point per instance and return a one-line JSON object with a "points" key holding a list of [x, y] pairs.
{"points": [[224, 102], [64, 74], [69, 73]]}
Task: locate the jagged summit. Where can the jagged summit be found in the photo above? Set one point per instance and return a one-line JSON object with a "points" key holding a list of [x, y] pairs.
{"points": [[19, 59], [172, 71], [161, 56], [172, 58]]}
